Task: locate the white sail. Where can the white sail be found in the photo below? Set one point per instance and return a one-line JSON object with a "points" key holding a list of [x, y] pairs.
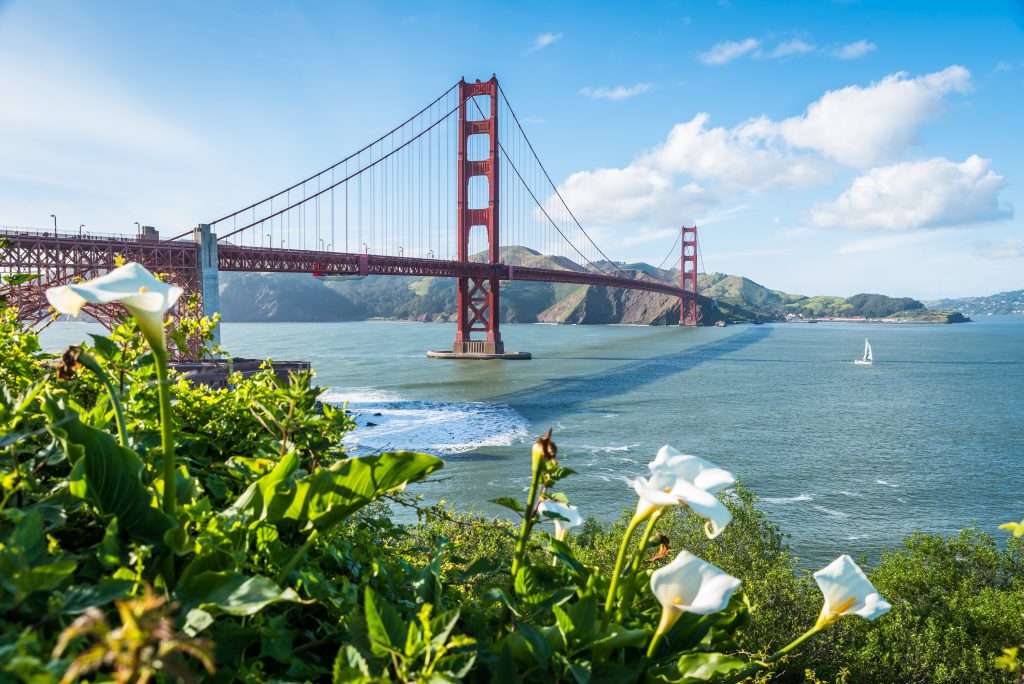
{"points": [[867, 351]]}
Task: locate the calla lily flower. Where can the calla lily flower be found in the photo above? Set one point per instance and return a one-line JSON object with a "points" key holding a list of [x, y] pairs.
{"points": [[571, 516], [693, 469], [848, 591], [146, 298], [691, 585], [664, 489]]}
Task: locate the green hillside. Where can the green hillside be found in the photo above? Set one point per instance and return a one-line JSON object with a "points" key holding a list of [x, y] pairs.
{"points": [[300, 297]]}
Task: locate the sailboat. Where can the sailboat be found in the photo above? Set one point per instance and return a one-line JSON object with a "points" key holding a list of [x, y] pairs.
{"points": [[868, 356]]}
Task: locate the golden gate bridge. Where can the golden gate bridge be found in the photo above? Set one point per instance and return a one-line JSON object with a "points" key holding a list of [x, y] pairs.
{"points": [[457, 190]]}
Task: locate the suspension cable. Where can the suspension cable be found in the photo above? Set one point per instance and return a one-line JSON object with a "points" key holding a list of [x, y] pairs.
{"points": [[552, 183]]}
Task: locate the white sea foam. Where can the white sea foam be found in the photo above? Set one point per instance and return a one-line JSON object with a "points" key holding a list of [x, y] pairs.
{"points": [[886, 484], [856, 495], [831, 512], [386, 421], [608, 449], [786, 499]]}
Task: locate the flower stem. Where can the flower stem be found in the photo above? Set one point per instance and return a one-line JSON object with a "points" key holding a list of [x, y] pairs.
{"points": [[630, 585], [90, 363], [667, 620], [528, 518], [618, 567], [167, 446], [759, 665]]}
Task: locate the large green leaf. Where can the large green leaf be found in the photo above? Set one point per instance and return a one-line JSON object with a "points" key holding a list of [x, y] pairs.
{"points": [[330, 495], [232, 593], [108, 475], [388, 632], [257, 498]]}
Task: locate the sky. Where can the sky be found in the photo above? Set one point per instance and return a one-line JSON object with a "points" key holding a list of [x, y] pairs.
{"points": [[820, 147]]}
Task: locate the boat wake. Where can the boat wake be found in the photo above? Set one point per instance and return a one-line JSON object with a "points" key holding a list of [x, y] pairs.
{"points": [[388, 422]]}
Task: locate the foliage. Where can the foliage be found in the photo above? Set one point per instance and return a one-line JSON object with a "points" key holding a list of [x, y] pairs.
{"points": [[281, 560], [880, 306]]}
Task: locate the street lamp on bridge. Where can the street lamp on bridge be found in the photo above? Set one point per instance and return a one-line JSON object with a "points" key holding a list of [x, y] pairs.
{"points": [[366, 249], [401, 251], [54, 222], [430, 254], [270, 240], [80, 227], [321, 244]]}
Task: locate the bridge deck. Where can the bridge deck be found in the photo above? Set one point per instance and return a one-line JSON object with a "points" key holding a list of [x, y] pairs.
{"points": [[48, 252]]}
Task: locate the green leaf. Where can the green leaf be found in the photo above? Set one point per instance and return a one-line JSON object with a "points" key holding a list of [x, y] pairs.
{"points": [[350, 666], [232, 593], [108, 475], [20, 278], [702, 667], [617, 636], [105, 346], [426, 585], [388, 632], [330, 495], [509, 503], [82, 596], [196, 621], [258, 497], [499, 595]]}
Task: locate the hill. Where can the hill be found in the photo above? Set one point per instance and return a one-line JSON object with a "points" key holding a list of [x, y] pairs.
{"points": [[1000, 304], [300, 297]]}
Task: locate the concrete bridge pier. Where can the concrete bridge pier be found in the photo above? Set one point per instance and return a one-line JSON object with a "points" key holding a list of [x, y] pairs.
{"points": [[207, 272]]}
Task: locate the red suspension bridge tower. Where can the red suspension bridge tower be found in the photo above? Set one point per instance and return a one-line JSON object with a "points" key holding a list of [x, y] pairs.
{"points": [[478, 307], [689, 310]]}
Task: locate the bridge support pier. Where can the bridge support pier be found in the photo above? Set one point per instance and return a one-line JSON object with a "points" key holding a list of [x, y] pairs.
{"points": [[207, 272]]}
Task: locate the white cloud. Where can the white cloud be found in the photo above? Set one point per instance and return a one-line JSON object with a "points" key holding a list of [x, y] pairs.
{"points": [[544, 40], [723, 53], [743, 156], [702, 164], [912, 195], [791, 47], [999, 249], [860, 126], [636, 192], [616, 93], [854, 50]]}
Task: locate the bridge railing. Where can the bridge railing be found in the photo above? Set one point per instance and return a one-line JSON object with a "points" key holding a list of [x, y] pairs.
{"points": [[17, 231]]}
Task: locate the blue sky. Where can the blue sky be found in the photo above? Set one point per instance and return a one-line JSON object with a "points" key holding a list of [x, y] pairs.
{"points": [[822, 148]]}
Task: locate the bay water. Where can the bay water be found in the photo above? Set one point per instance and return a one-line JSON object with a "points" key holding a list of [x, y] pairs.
{"points": [[846, 458]]}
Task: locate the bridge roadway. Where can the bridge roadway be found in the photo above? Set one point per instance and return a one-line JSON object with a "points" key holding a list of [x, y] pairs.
{"points": [[57, 256]]}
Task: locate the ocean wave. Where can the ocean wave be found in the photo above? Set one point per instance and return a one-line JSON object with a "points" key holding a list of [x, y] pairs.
{"points": [[386, 421], [786, 499], [886, 484], [856, 495], [831, 512], [608, 449]]}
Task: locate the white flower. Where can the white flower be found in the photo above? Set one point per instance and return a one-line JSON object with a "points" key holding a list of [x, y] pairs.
{"points": [[665, 489], [570, 513], [146, 298], [848, 591], [693, 469], [691, 585]]}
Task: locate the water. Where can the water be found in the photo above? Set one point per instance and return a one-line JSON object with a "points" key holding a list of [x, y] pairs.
{"points": [[846, 458]]}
